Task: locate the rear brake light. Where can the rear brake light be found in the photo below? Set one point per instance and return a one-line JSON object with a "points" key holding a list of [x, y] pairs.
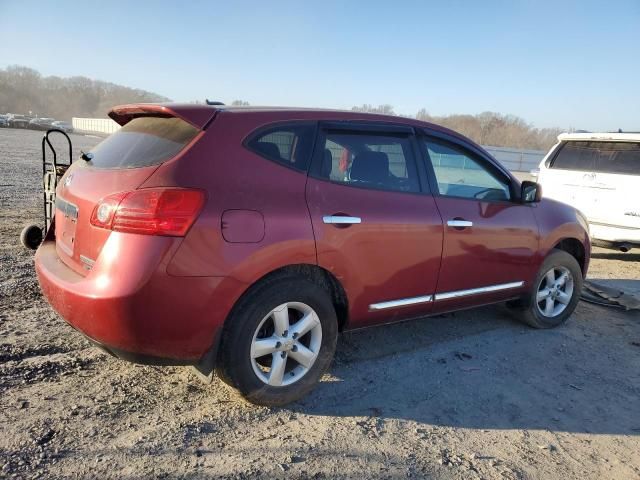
{"points": [[104, 211], [151, 211]]}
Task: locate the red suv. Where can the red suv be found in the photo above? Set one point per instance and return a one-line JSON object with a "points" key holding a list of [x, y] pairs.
{"points": [[242, 240]]}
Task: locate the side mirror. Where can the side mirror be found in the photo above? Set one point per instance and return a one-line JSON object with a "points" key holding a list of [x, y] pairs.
{"points": [[530, 192]]}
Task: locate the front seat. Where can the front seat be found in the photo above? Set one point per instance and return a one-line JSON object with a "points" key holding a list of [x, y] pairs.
{"points": [[371, 167], [327, 164]]}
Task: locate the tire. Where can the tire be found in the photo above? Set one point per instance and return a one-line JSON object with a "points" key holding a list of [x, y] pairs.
{"points": [[31, 237], [253, 328], [537, 314]]}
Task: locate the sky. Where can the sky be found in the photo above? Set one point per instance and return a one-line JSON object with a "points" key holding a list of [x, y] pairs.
{"points": [[553, 63]]}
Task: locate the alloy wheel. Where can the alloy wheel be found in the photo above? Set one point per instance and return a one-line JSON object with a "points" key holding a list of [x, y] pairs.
{"points": [[286, 344], [555, 291]]}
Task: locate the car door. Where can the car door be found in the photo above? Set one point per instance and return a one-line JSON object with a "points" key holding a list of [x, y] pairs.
{"points": [[376, 225], [490, 238]]}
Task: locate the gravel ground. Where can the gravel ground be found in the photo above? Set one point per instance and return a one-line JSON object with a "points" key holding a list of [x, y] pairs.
{"points": [[469, 395]]}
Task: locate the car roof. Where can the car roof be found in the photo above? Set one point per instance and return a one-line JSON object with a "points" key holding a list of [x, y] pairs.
{"points": [[602, 136], [200, 115]]}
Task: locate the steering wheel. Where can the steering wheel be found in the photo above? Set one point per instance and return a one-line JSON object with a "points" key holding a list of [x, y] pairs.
{"points": [[481, 194], [490, 194]]}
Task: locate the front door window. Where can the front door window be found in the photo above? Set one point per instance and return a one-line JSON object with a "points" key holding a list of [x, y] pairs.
{"points": [[460, 175]]}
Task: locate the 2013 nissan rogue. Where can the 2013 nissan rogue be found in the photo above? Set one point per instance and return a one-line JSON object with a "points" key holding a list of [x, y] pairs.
{"points": [[244, 239]]}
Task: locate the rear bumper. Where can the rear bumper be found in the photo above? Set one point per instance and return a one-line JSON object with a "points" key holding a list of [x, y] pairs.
{"points": [[614, 234], [622, 246], [140, 358], [129, 304]]}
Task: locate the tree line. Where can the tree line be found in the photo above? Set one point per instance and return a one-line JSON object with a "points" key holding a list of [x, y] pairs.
{"points": [[24, 90], [487, 128]]}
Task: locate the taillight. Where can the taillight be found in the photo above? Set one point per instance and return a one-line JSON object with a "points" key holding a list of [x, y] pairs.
{"points": [[150, 211], [105, 210]]}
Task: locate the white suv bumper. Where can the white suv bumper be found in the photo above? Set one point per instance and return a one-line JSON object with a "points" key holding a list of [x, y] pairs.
{"points": [[614, 234]]}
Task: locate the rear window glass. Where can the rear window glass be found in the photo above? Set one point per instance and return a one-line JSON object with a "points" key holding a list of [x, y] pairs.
{"points": [[142, 142], [603, 157]]}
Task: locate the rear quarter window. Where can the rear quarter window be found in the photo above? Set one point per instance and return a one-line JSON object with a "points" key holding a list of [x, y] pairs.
{"points": [[287, 144], [142, 142]]}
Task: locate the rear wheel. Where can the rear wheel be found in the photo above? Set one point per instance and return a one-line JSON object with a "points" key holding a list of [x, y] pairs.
{"points": [[31, 237], [279, 341], [555, 294]]}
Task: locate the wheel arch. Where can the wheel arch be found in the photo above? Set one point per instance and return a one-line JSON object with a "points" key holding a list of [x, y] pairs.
{"points": [[317, 275], [576, 249]]}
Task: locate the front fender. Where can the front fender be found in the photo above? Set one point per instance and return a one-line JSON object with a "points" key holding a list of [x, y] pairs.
{"points": [[557, 222]]}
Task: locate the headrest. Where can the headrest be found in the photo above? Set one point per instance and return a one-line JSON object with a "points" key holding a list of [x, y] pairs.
{"points": [[370, 167], [327, 163], [269, 149]]}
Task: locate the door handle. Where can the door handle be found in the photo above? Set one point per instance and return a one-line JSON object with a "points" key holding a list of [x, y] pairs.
{"points": [[459, 223], [341, 220]]}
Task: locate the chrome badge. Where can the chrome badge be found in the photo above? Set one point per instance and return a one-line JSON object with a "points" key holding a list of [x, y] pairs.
{"points": [[67, 181]]}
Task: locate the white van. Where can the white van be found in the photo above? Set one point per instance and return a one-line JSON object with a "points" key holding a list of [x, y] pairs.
{"points": [[599, 174]]}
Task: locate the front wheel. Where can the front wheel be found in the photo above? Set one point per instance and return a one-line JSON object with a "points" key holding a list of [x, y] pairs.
{"points": [[279, 341], [555, 294]]}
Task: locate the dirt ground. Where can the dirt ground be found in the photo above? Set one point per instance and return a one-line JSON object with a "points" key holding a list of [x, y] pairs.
{"points": [[469, 395]]}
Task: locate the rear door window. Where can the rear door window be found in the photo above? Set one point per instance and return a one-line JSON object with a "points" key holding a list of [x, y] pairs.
{"points": [[371, 160], [142, 142]]}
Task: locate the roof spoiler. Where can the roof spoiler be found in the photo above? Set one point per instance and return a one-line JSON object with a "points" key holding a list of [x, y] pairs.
{"points": [[197, 115]]}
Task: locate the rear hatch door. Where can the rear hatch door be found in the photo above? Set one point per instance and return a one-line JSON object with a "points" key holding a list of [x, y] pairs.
{"points": [[616, 185], [570, 175], [121, 163]]}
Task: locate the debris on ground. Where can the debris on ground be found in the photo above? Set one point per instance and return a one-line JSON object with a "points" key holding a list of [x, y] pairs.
{"points": [[609, 296]]}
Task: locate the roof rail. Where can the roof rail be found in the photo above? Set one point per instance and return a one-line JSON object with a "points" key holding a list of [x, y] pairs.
{"points": [[213, 102]]}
